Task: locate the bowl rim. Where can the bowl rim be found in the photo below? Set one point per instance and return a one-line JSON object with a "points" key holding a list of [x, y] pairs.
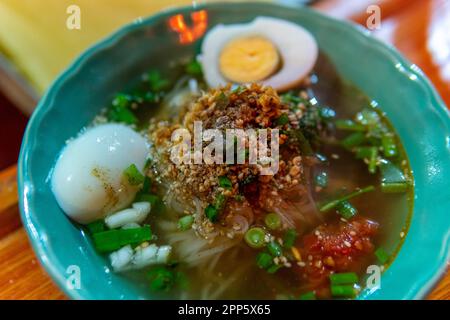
{"points": [[26, 192]]}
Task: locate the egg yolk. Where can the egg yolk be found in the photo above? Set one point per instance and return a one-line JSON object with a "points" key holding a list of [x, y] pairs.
{"points": [[249, 59]]}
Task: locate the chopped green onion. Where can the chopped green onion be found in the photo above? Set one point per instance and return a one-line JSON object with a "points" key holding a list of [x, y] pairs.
{"points": [[146, 185], [353, 140], [211, 213], [332, 204], [255, 237], [156, 82], [96, 226], [133, 175], [308, 296], [274, 268], [194, 68], [394, 187], [111, 240], [382, 255], [119, 114], [343, 291], [389, 145], [220, 201], [321, 179], [272, 221], [343, 278], [363, 152], [161, 278], [185, 223], [289, 238], [346, 210], [282, 120], [291, 98], [349, 125], [264, 260], [274, 248], [373, 159], [122, 100], [368, 117], [392, 178], [225, 182]]}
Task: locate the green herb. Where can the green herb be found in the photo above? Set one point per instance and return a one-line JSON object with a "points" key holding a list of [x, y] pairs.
{"points": [[146, 185], [264, 260], [133, 175], [220, 201], [368, 117], [353, 140], [332, 204], [225, 182], [194, 68], [211, 213], [272, 221], [274, 248], [392, 178], [185, 223], [346, 210], [349, 125], [122, 100], [382, 255], [394, 187], [282, 120], [373, 159], [255, 237], [389, 146], [156, 82], [291, 98], [343, 278], [308, 296], [123, 115], [111, 240], [289, 238], [343, 291], [96, 226], [239, 90], [274, 268], [363, 152], [161, 278]]}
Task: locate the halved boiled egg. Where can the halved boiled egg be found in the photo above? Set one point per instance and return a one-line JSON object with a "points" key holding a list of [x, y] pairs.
{"points": [[270, 51], [88, 180]]}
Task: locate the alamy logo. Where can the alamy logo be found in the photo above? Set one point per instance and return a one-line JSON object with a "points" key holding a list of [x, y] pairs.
{"points": [[236, 146], [73, 21], [73, 281]]}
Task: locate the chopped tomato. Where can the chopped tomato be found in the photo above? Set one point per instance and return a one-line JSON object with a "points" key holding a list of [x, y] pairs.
{"points": [[338, 247]]}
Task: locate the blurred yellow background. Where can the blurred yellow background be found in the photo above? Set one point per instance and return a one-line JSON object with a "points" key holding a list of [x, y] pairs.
{"points": [[34, 36]]}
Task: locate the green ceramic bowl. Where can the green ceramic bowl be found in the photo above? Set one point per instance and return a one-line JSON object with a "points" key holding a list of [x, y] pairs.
{"points": [[400, 88]]}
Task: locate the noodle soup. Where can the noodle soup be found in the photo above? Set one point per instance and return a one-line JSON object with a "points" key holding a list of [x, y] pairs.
{"points": [[296, 188]]}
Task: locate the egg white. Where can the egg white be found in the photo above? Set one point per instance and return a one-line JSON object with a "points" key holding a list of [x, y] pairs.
{"points": [[88, 181], [297, 47]]}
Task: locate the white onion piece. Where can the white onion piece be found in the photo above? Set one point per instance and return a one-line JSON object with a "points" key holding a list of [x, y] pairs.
{"points": [[137, 214], [150, 255], [121, 258]]}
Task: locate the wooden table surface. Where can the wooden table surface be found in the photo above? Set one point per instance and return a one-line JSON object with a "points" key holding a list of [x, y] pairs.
{"points": [[418, 28]]}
